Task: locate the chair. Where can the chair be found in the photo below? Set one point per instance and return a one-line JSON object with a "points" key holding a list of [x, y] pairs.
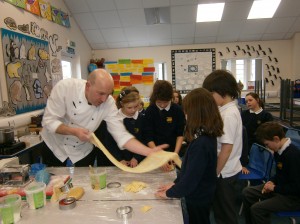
{"points": [[290, 214], [294, 135], [260, 166]]}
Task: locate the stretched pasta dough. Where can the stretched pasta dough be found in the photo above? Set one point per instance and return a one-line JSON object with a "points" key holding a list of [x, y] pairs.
{"points": [[151, 162]]}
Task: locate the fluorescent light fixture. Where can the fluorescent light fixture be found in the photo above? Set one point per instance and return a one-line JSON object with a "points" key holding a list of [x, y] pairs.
{"points": [[210, 12], [263, 9]]}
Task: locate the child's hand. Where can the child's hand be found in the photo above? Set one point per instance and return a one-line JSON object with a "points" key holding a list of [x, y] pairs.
{"points": [[124, 162], [268, 187], [245, 170], [165, 187], [133, 162], [168, 166], [161, 194]]}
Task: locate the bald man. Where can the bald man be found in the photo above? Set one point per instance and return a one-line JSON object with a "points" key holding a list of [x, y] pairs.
{"points": [[76, 108]]}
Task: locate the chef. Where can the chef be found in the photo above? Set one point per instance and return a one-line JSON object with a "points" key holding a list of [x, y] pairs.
{"points": [[76, 108]]}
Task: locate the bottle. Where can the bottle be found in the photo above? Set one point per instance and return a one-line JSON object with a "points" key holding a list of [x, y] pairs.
{"points": [[71, 167]]}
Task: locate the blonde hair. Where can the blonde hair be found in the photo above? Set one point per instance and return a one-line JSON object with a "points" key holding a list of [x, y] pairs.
{"points": [[127, 95]]}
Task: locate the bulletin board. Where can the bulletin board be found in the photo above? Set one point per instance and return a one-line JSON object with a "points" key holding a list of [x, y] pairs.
{"points": [[132, 72], [27, 71], [191, 66]]}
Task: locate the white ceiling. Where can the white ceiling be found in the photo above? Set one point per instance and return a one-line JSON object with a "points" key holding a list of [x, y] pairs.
{"points": [[121, 23]]}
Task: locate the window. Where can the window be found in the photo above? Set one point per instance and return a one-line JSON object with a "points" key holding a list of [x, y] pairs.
{"points": [[66, 69], [160, 71], [244, 70]]}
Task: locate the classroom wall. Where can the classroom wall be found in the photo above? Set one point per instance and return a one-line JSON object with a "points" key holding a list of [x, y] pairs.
{"points": [[82, 50], [287, 53], [295, 57]]}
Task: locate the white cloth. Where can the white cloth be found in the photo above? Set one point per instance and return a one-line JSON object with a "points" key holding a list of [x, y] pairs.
{"points": [[67, 104], [232, 135]]}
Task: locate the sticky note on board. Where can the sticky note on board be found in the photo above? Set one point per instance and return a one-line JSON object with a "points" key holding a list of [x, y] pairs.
{"points": [[124, 61]]}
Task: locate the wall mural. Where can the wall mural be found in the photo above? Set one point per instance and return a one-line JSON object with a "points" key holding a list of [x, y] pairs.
{"points": [[258, 51], [191, 66], [27, 66]]}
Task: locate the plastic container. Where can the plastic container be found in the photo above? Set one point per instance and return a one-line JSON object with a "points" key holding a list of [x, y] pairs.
{"points": [[34, 168], [98, 178], [10, 208], [71, 167], [36, 195]]}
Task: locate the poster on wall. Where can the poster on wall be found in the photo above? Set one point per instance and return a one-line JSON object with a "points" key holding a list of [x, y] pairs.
{"points": [[132, 72], [27, 71], [191, 66]]}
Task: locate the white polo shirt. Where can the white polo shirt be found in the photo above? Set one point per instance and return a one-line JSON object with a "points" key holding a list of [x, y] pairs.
{"points": [[67, 104], [233, 128]]}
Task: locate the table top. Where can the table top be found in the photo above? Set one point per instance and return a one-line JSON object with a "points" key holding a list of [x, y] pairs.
{"points": [[100, 206]]}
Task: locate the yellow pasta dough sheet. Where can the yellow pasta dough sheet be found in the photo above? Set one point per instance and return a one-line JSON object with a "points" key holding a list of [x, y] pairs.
{"points": [[151, 162], [135, 186]]}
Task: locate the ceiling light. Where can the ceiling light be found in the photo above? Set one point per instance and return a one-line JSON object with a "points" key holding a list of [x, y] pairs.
{"points": [[263, 9], [210, 12]]}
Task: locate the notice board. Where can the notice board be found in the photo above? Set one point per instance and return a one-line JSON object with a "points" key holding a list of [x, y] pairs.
{"points": [[191, 66]]}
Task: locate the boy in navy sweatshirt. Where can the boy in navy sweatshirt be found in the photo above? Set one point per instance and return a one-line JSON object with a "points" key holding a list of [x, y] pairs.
{"points": [[281, 193]]}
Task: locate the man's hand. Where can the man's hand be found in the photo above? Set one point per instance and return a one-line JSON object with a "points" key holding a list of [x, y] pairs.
{"points": [[83, 134], [160, 147]]}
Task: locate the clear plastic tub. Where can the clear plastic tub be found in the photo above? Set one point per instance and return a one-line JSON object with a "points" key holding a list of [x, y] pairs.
{"points": [[36, 195], [10, 208]]}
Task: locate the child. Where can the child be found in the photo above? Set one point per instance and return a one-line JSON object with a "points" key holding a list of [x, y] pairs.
{"points": [[281, 193], [225, 90], [164, 121], [127, 103], [254, 116], [177, 98], [197, 179], [141, 107]]}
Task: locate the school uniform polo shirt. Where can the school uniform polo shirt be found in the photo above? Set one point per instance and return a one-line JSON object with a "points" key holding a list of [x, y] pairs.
{"points": [[232, 135]]}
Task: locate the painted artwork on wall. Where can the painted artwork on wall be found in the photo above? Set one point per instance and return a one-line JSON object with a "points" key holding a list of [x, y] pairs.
{"points": [[56, 15], [132, 72], [45, 8], [191, 66], [60, 17], [33, 7], [18, 3], [27, 66]]}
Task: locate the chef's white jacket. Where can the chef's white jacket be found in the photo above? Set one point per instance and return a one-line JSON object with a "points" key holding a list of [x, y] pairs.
{"points": [[67, 104]]}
